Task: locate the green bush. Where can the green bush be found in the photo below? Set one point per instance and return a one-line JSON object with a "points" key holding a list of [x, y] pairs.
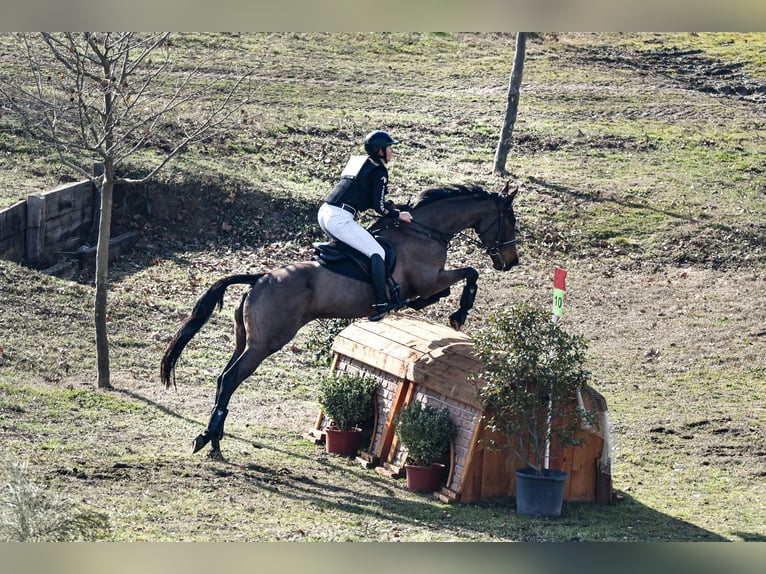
{"points": [[532, 372], [348, 400], [426, 432], [321, 336]]}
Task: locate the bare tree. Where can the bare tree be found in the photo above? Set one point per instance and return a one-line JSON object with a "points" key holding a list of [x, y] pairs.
{"points": [[111, 95], [512, 107]]}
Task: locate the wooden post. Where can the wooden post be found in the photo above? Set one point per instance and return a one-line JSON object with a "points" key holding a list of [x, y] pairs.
{"points": [[35, 229]]}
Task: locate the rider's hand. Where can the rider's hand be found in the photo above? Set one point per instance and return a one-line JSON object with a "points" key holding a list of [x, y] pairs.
{"points": [[405, 216]]}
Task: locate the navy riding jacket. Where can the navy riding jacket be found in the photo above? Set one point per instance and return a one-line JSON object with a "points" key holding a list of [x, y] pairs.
{"points": [[363, 186]]}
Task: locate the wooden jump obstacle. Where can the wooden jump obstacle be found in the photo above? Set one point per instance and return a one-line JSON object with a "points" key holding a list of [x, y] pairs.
{"points": [[414, 359]]}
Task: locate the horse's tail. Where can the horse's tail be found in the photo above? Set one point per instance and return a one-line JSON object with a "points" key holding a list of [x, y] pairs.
{"points": [[202, 311]]}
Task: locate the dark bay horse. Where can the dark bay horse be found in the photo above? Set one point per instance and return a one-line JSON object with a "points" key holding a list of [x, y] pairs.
{"points": [[281, 301]]}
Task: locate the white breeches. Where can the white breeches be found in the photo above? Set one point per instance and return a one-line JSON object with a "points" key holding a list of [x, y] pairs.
{"points": [[340, 225]]}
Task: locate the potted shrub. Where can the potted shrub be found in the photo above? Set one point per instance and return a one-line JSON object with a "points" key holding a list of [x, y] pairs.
{"points": [[426, 432], [533, 370], [347, 400]]}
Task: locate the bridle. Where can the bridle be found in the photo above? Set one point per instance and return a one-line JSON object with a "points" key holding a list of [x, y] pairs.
{"points": [[494, 250]]}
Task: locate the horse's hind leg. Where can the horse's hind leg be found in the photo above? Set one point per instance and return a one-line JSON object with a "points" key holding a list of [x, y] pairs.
{"points": [[240, 340], [238, 371], [215, 440]]}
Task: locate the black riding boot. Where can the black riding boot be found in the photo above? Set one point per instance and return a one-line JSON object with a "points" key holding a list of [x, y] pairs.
{"points": [[382, 304]]}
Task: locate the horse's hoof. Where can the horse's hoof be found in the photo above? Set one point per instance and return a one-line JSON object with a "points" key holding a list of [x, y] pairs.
{"points": [[198, 443], [216, 455], [456, 321]]}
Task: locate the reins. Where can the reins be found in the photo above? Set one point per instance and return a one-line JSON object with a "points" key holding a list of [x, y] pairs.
{"points": [[435, 234]]}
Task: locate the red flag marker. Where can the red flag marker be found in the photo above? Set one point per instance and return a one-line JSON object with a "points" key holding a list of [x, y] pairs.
{"points": [[559, 290]]}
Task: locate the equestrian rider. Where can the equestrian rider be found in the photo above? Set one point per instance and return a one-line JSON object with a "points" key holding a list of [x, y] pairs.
{"points": [[363, 185]]}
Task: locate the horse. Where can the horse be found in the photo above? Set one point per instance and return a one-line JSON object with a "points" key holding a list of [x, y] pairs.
{"points": [[279, 302]]}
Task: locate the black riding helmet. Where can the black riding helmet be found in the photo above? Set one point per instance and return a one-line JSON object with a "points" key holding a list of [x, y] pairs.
{"points": [[377, 140]]}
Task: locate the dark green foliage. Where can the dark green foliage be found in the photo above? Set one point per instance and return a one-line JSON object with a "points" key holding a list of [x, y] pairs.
{"points": [[348, 400], [426, 432], [321, 337], [533, 370]]}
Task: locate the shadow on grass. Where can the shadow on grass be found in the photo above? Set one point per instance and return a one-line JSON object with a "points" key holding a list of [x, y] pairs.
{"points": [[322, 482]]}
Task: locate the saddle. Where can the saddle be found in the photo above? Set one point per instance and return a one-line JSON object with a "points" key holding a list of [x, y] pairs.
{"points": [[345, 260]]}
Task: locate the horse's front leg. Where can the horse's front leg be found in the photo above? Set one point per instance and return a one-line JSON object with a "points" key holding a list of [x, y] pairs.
{"points": [[467, 297], [441, 288]]}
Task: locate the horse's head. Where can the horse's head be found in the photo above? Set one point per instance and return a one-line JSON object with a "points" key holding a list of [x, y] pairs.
{"points": [[497, 232]]}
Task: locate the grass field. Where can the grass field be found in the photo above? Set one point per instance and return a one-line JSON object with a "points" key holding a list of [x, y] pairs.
{"points": [[640, 162]]}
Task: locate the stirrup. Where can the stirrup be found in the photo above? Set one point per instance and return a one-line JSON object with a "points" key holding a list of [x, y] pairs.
{"points": [[381, 309]]}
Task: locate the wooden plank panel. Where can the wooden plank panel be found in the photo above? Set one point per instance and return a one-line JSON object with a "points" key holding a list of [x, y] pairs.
{"points": [[447, 380], [377, 342], [406, 332], [461, 351], [400, 323], [378, 352], [581, 484], [35, 228], [403, 389], [383, 339], [432, 335], [13, 224], [464, 391], [470, 490], [463, 367], [404, 398], [472, 448], [386, 363]]}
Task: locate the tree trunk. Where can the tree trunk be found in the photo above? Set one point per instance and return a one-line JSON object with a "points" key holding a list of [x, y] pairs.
{"points": [[512, 107], [102, 275]]}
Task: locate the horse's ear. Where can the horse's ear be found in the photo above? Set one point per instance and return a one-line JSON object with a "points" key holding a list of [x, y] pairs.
{"points": [[509, 197]]}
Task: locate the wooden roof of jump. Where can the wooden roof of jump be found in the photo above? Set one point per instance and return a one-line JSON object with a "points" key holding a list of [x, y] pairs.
{"points": [[432, 355]]}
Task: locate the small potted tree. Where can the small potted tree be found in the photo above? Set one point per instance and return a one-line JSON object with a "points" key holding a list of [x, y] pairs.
{"points": [[533, 370], [347, 400], [426, 432]]}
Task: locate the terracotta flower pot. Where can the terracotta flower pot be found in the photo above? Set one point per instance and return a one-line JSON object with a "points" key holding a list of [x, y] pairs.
{"points": [[424, 478], [342, 442]]}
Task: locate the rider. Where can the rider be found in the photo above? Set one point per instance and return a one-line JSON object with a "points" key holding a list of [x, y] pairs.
{"points": [[363, 185]]}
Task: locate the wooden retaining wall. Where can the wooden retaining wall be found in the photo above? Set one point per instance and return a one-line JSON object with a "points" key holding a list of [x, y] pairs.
{"points": [[59, 221], [13, 232], [51, 230], [40, 230]]}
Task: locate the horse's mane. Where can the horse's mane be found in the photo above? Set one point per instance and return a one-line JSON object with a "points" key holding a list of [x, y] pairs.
{"points": [[450, 192]]}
